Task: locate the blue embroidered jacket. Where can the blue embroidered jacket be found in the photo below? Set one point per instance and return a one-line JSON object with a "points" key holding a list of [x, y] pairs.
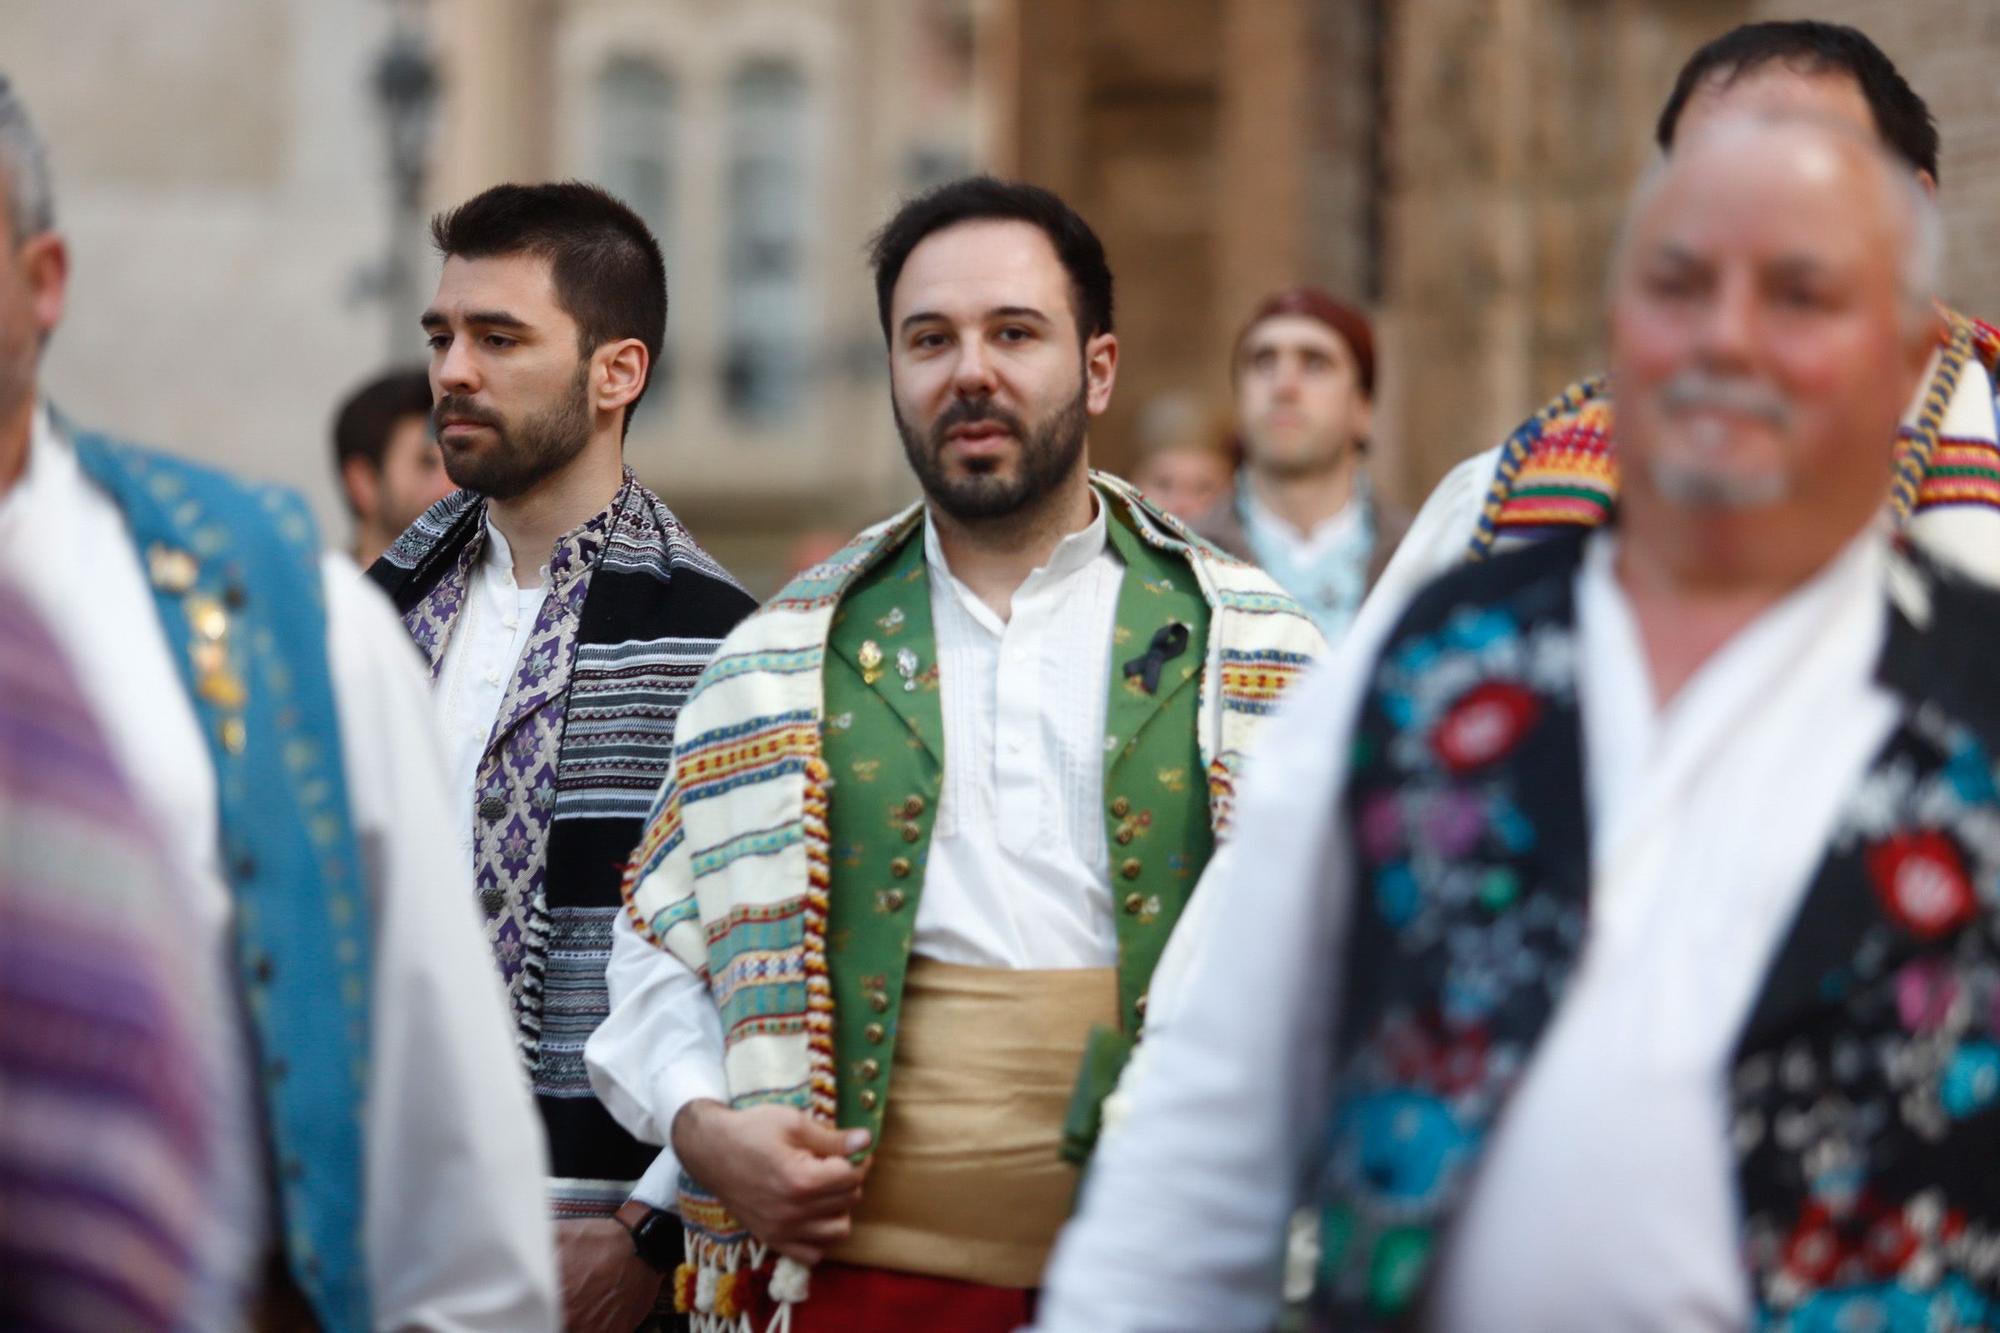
{"points": [[235, 575]]}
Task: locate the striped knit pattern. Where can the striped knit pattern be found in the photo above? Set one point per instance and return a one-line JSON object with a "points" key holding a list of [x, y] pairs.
{"points": [[1559, 469], [109, 1032], [1962, 472], [583, 743], [732, 874]]}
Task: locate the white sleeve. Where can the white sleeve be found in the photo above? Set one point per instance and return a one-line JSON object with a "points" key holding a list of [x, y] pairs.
{"points": [[456, 1227], [1184, 1211], [658, 1049], [1438, 539]]}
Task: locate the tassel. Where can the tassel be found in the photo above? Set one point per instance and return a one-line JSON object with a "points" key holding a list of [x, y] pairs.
{"points": [[791, 1282]]}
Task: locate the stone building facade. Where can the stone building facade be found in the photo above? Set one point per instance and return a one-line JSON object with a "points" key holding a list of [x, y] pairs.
{"points": [[1457, 166]]}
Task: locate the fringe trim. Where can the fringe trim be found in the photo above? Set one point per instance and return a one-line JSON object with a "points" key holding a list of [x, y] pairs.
{"points": [[534, 967], [717, 1287], [1914, 449], [819, 987]]}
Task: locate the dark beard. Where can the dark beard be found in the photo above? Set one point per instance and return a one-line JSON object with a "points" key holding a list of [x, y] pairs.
{"points": [[1048, 454], [522, 456]]}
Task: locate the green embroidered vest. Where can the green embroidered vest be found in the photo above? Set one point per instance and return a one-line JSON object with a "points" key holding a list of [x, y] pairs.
{"points": [[884, 747]]}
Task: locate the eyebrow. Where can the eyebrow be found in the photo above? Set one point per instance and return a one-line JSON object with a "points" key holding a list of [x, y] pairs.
{"points": [[492, 319], [998, 312]]}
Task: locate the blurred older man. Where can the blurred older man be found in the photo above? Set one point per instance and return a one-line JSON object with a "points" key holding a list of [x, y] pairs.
{"points": [[1570, 1026], [1560, 469]]}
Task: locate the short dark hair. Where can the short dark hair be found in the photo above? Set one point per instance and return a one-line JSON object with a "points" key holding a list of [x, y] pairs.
{"points": [[608, 271], [1809, 46], [362, 427], [984, 199]]}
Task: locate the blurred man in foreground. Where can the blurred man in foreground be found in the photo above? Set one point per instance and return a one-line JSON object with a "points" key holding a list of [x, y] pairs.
{"points": [[1560, 470], [272, 723], [1757, 1089], [390, 467]]}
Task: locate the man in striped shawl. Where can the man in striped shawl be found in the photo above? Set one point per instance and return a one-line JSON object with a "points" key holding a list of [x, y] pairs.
{"points": [[564, 613], [1559, 471], [934, 813]]}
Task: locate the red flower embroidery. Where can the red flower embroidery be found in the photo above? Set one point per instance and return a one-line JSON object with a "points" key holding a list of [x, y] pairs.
{"points": [[1922, 882], [1814, 1250], [1486, 722]]}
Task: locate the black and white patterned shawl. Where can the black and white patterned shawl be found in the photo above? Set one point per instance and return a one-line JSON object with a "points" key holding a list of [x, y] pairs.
{"points": [[581, 744]]}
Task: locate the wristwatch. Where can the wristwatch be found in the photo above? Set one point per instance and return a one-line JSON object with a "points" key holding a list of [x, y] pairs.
{"points": [[656, 1234]]}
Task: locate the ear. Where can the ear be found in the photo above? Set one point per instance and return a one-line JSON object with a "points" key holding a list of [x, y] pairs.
{"points": [[363, 485], [1100, 372], [619, 375], [1364, 416], [1928, 181], [44, 261]]}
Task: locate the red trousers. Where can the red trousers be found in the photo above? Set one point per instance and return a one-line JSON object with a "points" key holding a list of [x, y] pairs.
{"points": [[879, 1300]]}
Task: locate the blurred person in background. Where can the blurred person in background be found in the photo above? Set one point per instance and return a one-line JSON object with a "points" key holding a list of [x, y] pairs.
{"points": [[565, 614], [1559, 470], [269, 718], [1304, 506], [934, 813], [1187, 457], [1527, 982], [391, 469]]}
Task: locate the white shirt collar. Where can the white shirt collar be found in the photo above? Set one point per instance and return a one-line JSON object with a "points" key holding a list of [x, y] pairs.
{"points": [[1308, 547], [1071, 556], [499, 558]]}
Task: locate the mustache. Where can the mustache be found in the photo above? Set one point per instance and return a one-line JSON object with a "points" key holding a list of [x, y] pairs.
{"points": [[967, 411], [1698, 390], [459, 408]]}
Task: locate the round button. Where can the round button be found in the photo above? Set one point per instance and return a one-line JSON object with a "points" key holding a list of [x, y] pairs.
{"points": [[1134, 904], [1139, 1006], [892, 900], [913, 807], [869, 1100], [900, 867], [492, 899], [1124, 836], [911, 833], [868, 1070], [879, 1002], [492, 807], [1120, 807], [1130, 869], [874, 1033]]}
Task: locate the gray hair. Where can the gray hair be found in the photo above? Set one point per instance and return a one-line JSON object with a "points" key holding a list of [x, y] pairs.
{"points": [[1922, 261], [24, 169]]}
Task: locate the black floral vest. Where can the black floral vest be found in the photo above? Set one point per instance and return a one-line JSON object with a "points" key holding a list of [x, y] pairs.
{"points": [[1865, 1092]]}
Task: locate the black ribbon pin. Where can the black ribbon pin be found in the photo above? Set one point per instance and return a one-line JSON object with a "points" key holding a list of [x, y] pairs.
{"points": [[1170, 642]]}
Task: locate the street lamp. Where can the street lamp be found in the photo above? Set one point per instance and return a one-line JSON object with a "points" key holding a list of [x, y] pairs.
{"points": [[406, 90]]}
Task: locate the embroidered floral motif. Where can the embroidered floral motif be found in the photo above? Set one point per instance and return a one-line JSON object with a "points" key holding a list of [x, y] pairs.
{"points": [[1484, 725], [1922, 882]]}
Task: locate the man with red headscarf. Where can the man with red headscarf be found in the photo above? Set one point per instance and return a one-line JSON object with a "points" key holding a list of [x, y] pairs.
{"points": [[1303, 507]]}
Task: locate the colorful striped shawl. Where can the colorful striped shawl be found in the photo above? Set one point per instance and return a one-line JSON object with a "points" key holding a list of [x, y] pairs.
{"points": [[1559, 469], [734, 860]]}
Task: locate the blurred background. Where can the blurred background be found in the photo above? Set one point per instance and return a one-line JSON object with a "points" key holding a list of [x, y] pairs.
{"points": [[245, 184]]}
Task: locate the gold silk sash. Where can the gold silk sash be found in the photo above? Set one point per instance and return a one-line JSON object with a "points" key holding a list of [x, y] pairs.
{"points": [[966, 1182]]}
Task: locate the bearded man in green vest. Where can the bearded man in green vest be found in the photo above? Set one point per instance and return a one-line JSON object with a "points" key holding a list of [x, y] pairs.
{"points": [[933, 814]]}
